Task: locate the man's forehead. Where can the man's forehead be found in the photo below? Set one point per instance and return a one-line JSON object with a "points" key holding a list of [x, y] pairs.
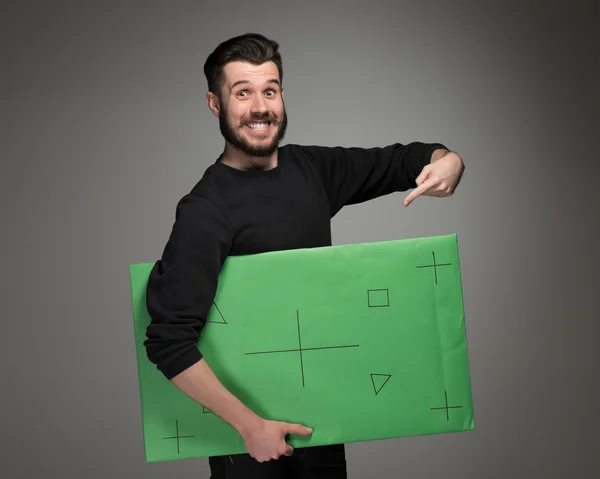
{"points": [[247, 72]]}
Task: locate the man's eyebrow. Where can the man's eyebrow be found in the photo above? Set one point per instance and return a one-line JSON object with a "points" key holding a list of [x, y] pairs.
{"points": [[241, 82]]}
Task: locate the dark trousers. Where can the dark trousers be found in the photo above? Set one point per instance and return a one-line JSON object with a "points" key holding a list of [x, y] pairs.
{"points": [[318, 462]]}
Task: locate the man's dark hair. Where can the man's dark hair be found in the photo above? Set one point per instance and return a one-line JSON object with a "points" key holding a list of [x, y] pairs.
{"points": [[250, 47]]}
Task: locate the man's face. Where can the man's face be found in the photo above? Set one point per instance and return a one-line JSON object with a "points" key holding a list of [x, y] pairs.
{"points": [[252, 116]]}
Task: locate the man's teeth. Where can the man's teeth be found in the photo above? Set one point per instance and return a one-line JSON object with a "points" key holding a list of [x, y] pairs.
{"points": [[258, 126]]}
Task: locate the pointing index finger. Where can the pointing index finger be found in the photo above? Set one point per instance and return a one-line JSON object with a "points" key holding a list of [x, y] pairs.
{"points": [[426, 185]]}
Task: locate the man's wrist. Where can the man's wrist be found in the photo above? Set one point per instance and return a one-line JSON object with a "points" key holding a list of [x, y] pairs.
{"points": [[247, 422], [437, 154]]}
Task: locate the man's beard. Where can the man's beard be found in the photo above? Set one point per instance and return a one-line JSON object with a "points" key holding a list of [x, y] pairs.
{"points": [[230, 134]]}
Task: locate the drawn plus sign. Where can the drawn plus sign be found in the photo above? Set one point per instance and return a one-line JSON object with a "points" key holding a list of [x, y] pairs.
{"points": [[434, 266], [446, 407], [177, 436], [302, 350]]}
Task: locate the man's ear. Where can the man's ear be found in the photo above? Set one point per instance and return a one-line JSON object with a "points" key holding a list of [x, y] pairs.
{"points": [[213, 103]]}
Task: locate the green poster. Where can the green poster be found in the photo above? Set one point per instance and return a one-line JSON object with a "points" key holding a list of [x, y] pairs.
{"points": [[360, 342]]}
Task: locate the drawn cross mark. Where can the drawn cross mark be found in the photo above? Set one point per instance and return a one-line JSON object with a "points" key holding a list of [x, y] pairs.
{"points": [[446, 407], [434, 266], [302, 350], [177, 436]]}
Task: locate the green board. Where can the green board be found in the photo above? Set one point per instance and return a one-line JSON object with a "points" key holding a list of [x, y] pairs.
{"points": [[360, 342]]}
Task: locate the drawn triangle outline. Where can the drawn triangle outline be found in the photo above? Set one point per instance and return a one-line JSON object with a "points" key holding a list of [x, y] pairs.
{"points": [[220, 314], [387, 378]]}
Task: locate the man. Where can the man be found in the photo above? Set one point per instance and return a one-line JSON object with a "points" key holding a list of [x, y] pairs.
{"points": [[257, 197]]}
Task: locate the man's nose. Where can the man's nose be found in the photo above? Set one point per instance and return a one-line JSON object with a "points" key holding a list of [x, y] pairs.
{"points": [[259, 105]]}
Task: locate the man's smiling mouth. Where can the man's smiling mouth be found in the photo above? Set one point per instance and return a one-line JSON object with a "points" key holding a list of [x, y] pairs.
{"points": [[259, 125]]}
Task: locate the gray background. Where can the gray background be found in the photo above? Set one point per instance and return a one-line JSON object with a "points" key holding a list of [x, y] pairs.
{"points": [[105, 127]]}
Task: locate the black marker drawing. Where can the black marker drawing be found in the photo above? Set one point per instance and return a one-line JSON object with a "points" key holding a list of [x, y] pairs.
{"points": [[372, 298], [378, 389], [446, 407], [220, 314], [302, 350], [434, 266], [177, 436]]}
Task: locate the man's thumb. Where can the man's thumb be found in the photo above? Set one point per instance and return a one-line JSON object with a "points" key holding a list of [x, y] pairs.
{"points": [[423, 175], [299, 429]]}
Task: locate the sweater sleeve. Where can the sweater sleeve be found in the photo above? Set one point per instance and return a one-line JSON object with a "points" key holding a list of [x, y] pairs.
{"points": [[354, 175], [182, 284]]}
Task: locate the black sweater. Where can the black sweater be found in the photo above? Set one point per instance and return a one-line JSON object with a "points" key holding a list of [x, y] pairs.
{"points": [[240, 212]]}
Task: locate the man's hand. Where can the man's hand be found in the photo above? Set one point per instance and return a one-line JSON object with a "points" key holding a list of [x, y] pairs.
{"points": [[266, 439], [439, 178]]}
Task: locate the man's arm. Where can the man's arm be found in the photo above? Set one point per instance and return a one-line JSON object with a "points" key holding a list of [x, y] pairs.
{"points": [[355, 175], [183, 283], [180, 292]]}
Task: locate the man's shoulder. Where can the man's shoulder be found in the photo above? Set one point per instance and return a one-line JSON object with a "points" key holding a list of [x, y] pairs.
{"points": [[302, 151], [308, 153], [204, 195], [207, 185]]}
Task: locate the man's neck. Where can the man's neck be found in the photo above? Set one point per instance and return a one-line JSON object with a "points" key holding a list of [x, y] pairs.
{"points": [[242, 161]]}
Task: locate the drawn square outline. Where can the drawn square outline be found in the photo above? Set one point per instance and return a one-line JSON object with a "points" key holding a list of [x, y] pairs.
{"points": [[387, 298]]}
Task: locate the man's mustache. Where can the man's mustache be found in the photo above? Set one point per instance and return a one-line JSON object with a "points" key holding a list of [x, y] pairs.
{"points": [[262, 117]]}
